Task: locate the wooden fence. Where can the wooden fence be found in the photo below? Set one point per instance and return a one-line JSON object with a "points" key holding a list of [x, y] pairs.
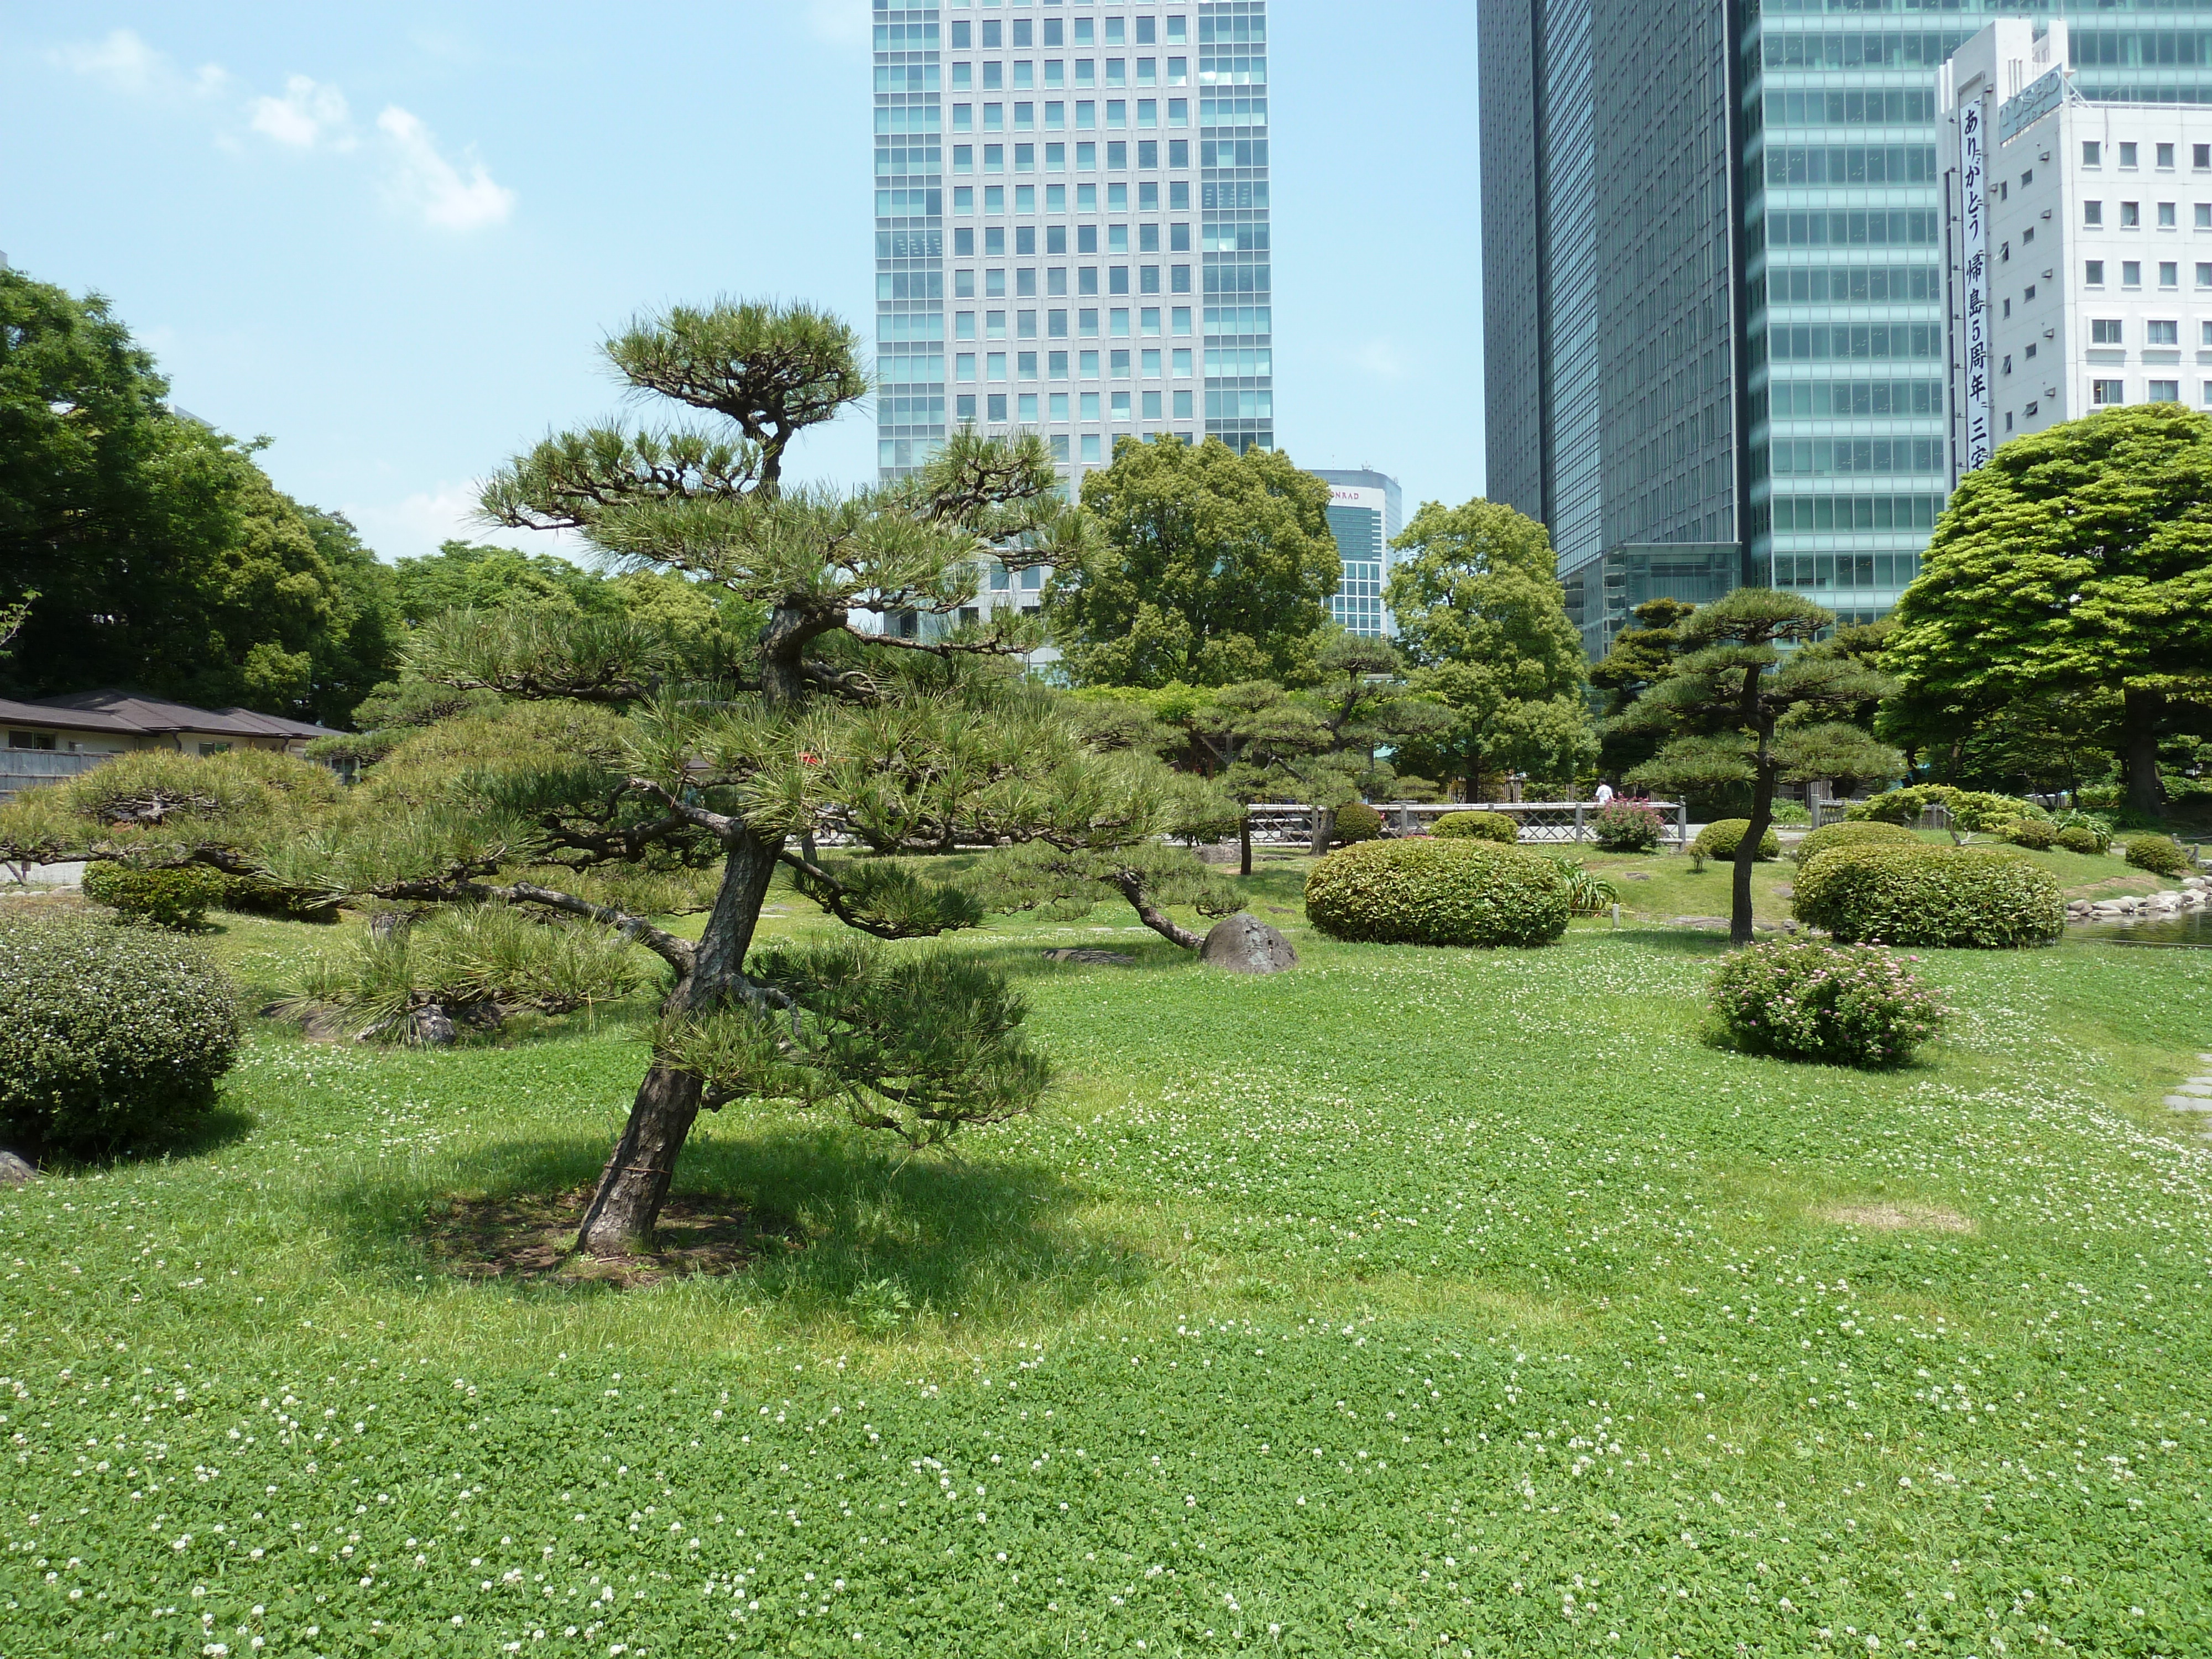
{"points": [[33, 769]]}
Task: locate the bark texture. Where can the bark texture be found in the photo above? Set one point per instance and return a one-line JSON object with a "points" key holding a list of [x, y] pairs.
{"points": [[1150, 914], [2140, 716]]}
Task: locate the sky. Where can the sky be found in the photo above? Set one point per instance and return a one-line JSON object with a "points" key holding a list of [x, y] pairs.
{"points": [[389, 238]]}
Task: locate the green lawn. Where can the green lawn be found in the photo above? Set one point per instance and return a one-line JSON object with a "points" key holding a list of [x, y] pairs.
{"points": [[1416, 1301]]}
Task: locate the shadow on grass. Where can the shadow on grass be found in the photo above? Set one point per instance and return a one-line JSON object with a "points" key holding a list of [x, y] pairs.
{"points": [[224, 1126], [881, 1240]]}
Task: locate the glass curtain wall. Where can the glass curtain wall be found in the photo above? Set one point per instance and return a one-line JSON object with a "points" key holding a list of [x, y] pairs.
{"points": [[909, 237], [1232, 142]]}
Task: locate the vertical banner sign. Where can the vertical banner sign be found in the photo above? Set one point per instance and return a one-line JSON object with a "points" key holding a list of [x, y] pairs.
{"points": [[1973, 168]]}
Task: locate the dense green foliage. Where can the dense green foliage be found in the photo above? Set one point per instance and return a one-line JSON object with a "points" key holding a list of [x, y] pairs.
{"points": [[1720, 839], [160, 555], [2162, 856], [1478, 1218], [1627, 826], [1970, 809], [1944, 896], [1500, 827], [2076, 564], [109, 1035], [2080, 838], [1638, 659], [1432, 891], [1209, 568], [178, 897], [1482, 619], [1356, 821], [1853, 1005], [2036, 835], [1849, 833]]}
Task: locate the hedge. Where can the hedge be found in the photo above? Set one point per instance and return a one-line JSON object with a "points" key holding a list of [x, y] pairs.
{"points": [[1481, 826], [1853, 834], [1968, 898], [107, 1032], [1719, 839], [178, 897], [1462, 892], [2162, 856], [1357, 823]]}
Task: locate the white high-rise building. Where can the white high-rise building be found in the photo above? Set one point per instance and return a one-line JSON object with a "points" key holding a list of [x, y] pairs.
{"points": [[1366, 511], [2081, 244], [1072, 224]]}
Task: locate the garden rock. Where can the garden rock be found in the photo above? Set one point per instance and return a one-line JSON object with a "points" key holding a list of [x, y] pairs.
{"points": [[1092, 958], [1242, 944], [14, 1172], [433, 1027]]}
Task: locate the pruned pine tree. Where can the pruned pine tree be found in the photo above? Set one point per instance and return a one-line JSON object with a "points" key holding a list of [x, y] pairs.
{"points": [[602, 759], [1776, 710], [1263, 742]]}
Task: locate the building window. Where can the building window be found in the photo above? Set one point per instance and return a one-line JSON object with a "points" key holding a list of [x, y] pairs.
{"points": [[44, 740], [2130, 273], [2091, 152], [2165, 155], [2093, 214], [2165, 218], [2131, 216], [2105, 391], [2169, 273], [2161, 333], [2107, 331], [2127, 155], [2165, 392], [2093, 273]]}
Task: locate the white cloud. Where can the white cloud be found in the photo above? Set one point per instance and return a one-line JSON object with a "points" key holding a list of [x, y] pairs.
{"points": [[309, 111], [425, 181], [128, 64], [412, 528], [842, 22]]}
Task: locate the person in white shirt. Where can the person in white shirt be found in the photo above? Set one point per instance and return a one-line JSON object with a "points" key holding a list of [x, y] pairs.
{"points": [[1604, 794]]}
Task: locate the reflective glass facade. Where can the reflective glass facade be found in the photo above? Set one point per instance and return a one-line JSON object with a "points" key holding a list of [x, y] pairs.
{"points": [[1072, 229], [1366, 511], [1769, 340]]}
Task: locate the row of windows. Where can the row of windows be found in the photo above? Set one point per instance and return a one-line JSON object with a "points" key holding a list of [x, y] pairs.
{"points": [[1854, 285], [2169, 274], [1054, 118], [1055, 198], [2093, 155], [993, 35], [1792, 514], [1086, 239], [1086, 155], [1024, 77], [1822, 457], [1148, 278], [2169, 218], [2104, 393], [1851, 164], [1824, 399], [1060, 408], [1156, 363], [1848, 570], [1148, 320], [2113, 330], [1874, 51], [1836, 109], [2101, 47], [1844, 341], [1909, 228]]}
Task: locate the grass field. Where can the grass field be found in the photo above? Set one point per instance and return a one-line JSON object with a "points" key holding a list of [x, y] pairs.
{"points": [[1415, 1302]]}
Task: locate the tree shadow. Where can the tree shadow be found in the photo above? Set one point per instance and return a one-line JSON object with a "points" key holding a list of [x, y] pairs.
{"points": [[225, 1125], [876, 1238]]}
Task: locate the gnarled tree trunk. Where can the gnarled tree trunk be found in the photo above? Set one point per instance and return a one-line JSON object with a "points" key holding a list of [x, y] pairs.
{"points": [[634, 1183], [2140, 714]]}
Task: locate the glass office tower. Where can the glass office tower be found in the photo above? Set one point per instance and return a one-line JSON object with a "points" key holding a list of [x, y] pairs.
{"points": [[1366, 510], [1072, 224], [1769, 335]]}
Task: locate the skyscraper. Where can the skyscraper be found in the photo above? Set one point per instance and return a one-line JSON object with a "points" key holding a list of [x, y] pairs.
{"points": [[1714, 300], [1366, 510], [1072, 224]]}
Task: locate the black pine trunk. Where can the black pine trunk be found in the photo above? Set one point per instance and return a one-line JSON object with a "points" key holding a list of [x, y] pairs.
{"points": [[2141, 712]]}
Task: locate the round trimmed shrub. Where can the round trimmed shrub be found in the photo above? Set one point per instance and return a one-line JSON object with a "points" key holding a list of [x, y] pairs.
{"points": [[178, 898], [1357, 823], [2080, 838], [108, 1033], [1719, 841], [1852, 1004], [1481, 826], [2036, 835], [1865, 834], [2162, 856], [1464, 892], [1627, 826], [1965, 898]]}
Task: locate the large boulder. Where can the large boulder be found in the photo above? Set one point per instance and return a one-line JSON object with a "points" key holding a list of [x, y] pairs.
{"points": [[14, 1172], [1243, 943]]}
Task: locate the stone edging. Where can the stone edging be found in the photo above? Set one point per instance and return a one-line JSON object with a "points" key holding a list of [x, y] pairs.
{"points": [[2195, 893]]}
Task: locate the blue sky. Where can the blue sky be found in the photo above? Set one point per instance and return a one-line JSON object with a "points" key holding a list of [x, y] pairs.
{"points": [[388, 237]]}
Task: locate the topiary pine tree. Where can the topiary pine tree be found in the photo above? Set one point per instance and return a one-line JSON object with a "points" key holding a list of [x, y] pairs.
{"points": [[600, 759], [1738, 709]]}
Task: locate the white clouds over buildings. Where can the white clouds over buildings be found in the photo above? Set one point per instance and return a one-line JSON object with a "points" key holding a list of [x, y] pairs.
{"points": [[413, 174]]}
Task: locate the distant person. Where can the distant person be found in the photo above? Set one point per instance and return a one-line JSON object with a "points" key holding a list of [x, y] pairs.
{"points": [[1604, 794]]}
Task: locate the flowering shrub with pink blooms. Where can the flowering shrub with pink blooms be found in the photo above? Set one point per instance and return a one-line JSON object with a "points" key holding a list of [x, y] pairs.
{"points": [[1627, 826], [1836, 1004]]}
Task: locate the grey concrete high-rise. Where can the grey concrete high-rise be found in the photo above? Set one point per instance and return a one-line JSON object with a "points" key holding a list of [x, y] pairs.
{"points": [[1715, 307], [1072, 224]]}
